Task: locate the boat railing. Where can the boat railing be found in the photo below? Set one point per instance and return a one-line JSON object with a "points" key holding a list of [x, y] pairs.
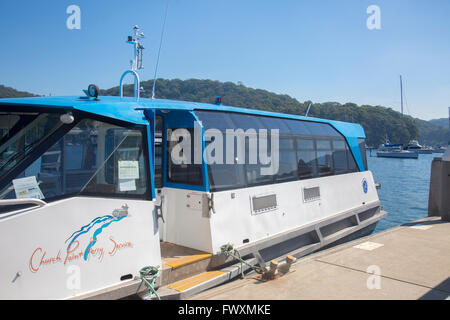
{"points": [[12, 202]]}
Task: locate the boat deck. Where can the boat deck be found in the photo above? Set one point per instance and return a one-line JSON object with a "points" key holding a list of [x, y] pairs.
{"points": [[175, 256], [412, 262], [180, 262]]}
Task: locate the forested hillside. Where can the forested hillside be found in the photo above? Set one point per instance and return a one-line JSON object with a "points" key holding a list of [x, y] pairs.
{"points": [[442, 122], [7, 92]]}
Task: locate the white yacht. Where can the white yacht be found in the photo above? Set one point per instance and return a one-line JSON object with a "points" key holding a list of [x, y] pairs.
{"points": [[416, 147], [388, 150]]}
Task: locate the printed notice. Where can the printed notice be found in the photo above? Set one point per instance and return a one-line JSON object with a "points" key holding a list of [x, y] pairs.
{"points": [[27, 188], [127, 185], [128, 170]]}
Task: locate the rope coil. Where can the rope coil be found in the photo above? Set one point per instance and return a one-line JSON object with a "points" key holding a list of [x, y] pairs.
{"points": [[148, 275]]}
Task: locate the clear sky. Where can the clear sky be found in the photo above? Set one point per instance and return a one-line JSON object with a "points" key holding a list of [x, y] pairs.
{"points": [[309, 49]]}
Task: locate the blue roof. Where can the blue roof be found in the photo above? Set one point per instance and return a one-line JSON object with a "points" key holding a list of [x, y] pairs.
{"points": [[130, 110]]}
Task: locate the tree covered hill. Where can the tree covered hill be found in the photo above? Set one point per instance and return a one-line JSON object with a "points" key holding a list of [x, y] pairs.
{"points": [[433, 134], [442, 122], [7, 92]]}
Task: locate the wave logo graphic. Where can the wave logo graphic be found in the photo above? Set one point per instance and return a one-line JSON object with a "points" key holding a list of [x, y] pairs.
{"points": [[100, 223]]}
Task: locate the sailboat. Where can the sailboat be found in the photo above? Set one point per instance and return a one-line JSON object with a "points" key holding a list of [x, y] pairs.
{"points": [[389, 150]]}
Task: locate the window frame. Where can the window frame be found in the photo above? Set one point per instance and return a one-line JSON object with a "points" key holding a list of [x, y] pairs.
{"points": [[362, 141], [167, 180]]}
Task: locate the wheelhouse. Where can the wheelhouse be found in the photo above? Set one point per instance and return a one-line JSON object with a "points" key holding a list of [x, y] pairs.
{"points": [[69, 159]]}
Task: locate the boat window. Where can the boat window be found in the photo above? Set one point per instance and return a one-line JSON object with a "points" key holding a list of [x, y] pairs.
{"points": [[181, 166], [340, 163], [93, 158], [352, 167], [223, 175], [7, 123], [215, 120], [306, 150], [22, 136], [253, 169], [324, 157], [276, 124], [288, 165], [306, 154], [362, 148], [321, 129], [297, 127], [245, 122]]}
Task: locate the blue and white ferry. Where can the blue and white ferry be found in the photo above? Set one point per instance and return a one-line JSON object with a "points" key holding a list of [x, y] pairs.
{"points": [[90, 191]]}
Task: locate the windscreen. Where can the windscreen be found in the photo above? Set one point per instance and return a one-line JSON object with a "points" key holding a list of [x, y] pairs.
{"points": [[21, 133], [43, 158]]}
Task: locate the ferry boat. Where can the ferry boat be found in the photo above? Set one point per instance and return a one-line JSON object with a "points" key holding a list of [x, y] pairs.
{"points": [[92, 190]]}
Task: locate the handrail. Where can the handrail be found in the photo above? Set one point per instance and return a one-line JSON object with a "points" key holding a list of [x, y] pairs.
{"points": [[11, 202], [136, 83]]}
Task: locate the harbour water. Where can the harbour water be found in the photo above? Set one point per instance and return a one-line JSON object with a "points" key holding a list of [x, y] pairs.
{"points": [[405, 184]]}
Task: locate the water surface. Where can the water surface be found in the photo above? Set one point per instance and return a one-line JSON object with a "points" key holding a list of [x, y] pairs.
{"points": [[405, 184]]}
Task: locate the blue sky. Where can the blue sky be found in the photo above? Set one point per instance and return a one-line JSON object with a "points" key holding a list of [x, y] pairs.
{"points": [[311, 50]]}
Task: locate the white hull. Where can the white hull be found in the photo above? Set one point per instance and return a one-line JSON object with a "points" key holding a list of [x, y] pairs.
{"points": [[393, 154], [38, 264], [421, 151], [235, 222], [425, 151]]}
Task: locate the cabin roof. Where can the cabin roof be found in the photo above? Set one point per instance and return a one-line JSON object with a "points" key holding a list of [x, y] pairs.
{"points": [[130, 110]]}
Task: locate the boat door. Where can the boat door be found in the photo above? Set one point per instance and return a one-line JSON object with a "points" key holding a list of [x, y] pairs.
{"points": [[181, 187]]}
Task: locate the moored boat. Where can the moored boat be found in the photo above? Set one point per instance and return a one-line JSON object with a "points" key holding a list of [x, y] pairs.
{"points": [[416, 147], [94, 189], [439, 149], [388, 150]]}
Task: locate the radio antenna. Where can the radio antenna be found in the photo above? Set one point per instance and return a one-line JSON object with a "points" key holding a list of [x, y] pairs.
{"points": [[159, 50], [307, 110]]}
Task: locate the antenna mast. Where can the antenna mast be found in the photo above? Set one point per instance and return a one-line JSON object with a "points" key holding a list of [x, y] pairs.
{"points": [[136, 63], [401, 93], [159, 50], [307, 110]]}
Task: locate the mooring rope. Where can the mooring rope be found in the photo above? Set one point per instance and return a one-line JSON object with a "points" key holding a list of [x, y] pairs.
{"points": [[148, 276], [228, 250]]}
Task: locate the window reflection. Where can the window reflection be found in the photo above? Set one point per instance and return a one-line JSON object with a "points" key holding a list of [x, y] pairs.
{"points": [[87, 160], [306, 150]]}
